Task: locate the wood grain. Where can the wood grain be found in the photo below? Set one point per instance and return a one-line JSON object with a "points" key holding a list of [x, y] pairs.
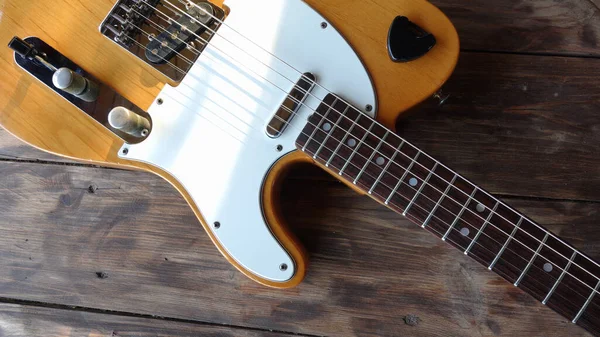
{"points": [[26, 321], [518, 125], [13, 148], [367, 264], [567, 27]]}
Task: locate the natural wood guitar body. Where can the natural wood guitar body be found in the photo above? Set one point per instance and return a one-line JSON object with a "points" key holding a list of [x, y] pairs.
{"points": [[36, 115]]}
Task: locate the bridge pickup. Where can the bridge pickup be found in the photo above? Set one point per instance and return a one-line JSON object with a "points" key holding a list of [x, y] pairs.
{"points": [[291, 105], [167, 35], [176, 37]]}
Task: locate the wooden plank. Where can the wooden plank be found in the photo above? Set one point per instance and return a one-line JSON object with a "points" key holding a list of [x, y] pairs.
{"points": [[13, 148], [518, 125], [27, 321], [567, 27], [134, 246]]}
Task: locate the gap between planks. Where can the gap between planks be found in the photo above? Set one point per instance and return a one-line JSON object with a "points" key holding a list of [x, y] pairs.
{"points": [[46, 305]]}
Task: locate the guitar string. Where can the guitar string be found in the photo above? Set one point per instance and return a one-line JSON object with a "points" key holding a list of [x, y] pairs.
{"points": [[453, 228], [470, 197], [291, 67], [468, 209]]}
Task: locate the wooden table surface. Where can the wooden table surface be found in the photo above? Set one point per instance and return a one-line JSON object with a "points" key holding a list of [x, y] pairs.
{"points": [[91, 251]]}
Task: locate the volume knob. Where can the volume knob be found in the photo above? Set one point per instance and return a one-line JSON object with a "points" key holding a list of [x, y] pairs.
{"points": [[71, 82]]}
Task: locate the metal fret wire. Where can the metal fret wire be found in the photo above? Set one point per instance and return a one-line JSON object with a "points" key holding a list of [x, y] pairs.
{"points": [[514, 231], [317, 84], [387, 166], [537, 252], [585, 305], [463, 191], [420, 190], [439, 202], [562, 275], [460, 213], [330, 133], [481, 229], [370, 160]]}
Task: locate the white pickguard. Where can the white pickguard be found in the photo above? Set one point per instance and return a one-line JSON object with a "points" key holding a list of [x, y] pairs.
{"points": [[209, 132]]}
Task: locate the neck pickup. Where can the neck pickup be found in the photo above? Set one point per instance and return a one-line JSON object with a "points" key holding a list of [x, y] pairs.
{"points": [[291, 105]]}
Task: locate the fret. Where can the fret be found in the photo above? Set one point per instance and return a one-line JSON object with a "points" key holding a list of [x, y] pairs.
{"points": [[587, 302], [460, 213], [362, 140], [387, 166], [423, 184], [412, 163], [318, 126], [531, 261], [560, 278], [335, 126], [482, 228], [450, 203], [512, 235], [370, 160], [438, 203], [344, 139]]}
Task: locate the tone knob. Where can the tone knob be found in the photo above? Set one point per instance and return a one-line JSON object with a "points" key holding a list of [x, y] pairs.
{"points": [[129, 122], [71, 82]]}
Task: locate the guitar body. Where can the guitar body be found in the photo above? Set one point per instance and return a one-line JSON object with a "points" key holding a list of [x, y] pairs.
{"points": [[208, 137]]}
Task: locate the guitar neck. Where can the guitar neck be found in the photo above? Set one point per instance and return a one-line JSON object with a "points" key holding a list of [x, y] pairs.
{"points": [[412, 183]]}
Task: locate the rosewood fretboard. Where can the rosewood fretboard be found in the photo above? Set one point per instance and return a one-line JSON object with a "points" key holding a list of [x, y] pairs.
{"points": [[399, 175]]}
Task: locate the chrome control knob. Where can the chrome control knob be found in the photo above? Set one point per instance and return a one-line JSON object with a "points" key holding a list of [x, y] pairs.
{"points": [[69, 81], [129, 122]]}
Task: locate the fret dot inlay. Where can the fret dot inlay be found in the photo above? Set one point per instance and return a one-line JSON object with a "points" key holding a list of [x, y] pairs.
{"points": [[465, 231], [380, 161], [413, 182], [326, 127], [548, 267], [480, 207], [352, 142]]}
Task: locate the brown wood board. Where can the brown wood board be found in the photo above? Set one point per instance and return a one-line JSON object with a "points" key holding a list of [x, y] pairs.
{"points": [[565, 27], [517, 125], [26, 321], [133, 246]]}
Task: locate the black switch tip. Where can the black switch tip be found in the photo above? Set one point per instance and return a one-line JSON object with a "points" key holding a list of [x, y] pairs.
{"points": [[22, 48]]}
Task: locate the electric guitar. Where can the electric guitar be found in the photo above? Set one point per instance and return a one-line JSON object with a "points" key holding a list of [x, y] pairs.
{"points": [[222, 98]]}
